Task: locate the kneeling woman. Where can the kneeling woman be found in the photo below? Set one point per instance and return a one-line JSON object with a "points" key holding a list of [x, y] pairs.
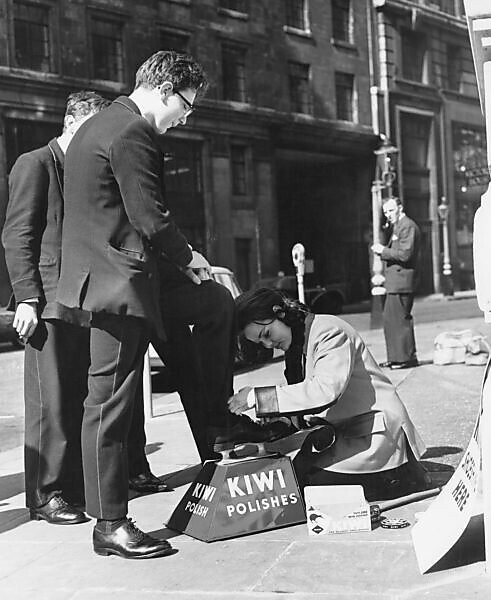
{"points": [[366, 435]]}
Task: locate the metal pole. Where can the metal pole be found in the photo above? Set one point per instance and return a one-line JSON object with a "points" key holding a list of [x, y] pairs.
{"points": [[298, 256], [443, 210], [378, 279]]}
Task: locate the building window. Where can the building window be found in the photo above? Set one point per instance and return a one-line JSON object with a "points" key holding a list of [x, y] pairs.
{"points": [[454, 67], [446, 6], [413, 50], [300, 93], [239, 170], [296, 14], [342, 21], [32, 36], [170, 40], [107, 49], [235, 5], [344, 96], [24, 135], [233, 73]]}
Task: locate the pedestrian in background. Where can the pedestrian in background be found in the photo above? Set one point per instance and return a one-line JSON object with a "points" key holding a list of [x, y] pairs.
{"points": [[57, 351], [401, 257]]}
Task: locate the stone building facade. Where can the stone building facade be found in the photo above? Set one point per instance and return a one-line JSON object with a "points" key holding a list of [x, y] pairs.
{"points": [[428, 85], [281, 147], [279, 151]]}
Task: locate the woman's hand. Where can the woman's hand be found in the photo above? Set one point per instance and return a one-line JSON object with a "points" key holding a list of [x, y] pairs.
{"points": [[237, 403]]}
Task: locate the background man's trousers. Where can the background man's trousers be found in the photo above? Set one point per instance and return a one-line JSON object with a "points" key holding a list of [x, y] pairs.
{"points": [[55, 385], [398, 328]]}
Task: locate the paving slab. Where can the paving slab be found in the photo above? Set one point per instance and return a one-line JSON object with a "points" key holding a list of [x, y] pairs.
{"points": [[57, 563]]}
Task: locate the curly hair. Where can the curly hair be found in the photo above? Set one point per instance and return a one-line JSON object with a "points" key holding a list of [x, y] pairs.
{"points": [[83, 103], [166, 65]]}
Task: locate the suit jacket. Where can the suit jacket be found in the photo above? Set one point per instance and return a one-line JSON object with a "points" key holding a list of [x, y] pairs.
{"points": [[33, 229], [401, 257], [344, 385], [115, 221]]}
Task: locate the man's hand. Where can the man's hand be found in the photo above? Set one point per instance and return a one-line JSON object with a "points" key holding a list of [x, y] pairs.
{"points": [[25, 319], [377, 248], [198, 269], [237, 403]]}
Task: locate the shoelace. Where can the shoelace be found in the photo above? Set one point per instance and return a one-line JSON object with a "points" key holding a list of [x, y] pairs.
{"points": [[134, 529], [60, 502]]}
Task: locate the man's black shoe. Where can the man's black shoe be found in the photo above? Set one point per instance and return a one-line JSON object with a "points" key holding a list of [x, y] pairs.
{"points": [[148, 483], [128, 541], [246, 430], [385, 364], [405, 365], [58, 512]]}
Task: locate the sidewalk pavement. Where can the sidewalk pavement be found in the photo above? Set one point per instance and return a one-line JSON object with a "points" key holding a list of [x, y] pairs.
{"points": [[57, 563]]}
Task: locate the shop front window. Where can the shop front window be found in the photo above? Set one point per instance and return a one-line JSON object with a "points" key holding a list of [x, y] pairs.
{"points": [[471, 178]]}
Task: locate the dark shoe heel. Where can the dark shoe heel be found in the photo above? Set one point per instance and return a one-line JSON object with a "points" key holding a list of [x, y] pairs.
{"points": [[224, 446], [33, 515], [102, 552]]}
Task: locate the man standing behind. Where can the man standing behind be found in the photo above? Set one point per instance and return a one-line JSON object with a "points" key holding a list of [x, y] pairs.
{"points": [[400, 257], [56, 355], [115, 227]]}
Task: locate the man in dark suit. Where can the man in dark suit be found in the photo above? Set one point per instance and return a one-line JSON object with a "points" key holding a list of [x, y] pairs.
{"points": [[57, 351], [401, 258], [116, 230]]}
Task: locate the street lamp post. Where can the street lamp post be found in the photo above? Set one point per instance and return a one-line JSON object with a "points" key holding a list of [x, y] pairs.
{"points": [[383, 181], [447, 281]]}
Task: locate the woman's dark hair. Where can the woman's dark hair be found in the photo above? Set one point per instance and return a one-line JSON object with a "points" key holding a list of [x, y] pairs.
{"points": [[266, 304]]}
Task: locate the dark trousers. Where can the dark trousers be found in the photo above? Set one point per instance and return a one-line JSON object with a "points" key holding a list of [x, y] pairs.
{"points": [[55, 385], [398, 328], [117, 346], [201, 358]]}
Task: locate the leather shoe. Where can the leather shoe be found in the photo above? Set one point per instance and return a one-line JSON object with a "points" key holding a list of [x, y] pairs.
{"points": [[148, 483], [128, 541], [385, 364], [246, 430], [58, 512], [404, 365]]}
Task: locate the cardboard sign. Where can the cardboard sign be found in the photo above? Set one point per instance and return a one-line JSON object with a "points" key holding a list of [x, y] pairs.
{"points": [[336, 509], [439, 527], [233, 498]]}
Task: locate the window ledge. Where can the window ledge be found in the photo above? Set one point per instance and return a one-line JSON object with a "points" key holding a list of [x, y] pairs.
{"points": [[32, 73], [415, 82], [234, 14], [344, 45], [304, 33]]}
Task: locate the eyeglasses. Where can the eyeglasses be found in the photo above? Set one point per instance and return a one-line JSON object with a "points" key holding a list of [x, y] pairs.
{"points": [[190, 108]]}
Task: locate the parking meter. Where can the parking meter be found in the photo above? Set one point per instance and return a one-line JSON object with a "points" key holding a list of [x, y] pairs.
{"points": [[298, 256]]}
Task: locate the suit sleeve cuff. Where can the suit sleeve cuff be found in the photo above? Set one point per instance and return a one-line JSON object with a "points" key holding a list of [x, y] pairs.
{"points": [[266, 401]]}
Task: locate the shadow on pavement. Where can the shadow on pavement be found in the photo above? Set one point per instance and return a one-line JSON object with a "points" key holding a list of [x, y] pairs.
{"points": [[153, 447], [467, 550], [440, 473], [10, 519], [437, 451], [183, 476], [11, 485]]}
